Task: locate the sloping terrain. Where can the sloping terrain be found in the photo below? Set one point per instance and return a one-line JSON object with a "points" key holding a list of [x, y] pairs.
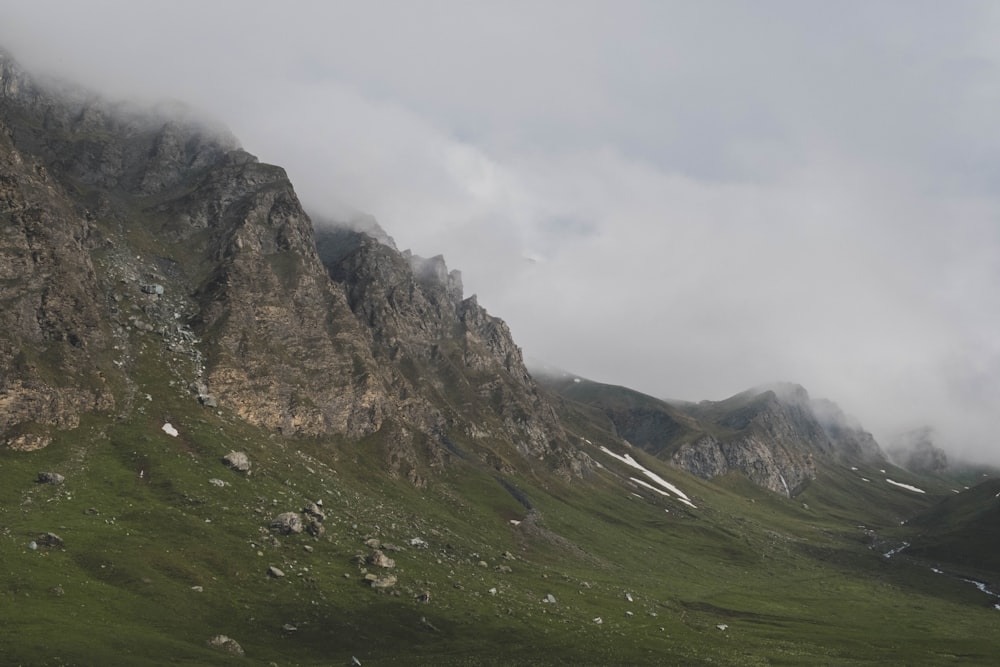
{"points": [[231, 438]]}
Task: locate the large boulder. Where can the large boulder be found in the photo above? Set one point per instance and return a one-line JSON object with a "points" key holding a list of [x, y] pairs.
{"points": [[238, 461], [287, 523]]}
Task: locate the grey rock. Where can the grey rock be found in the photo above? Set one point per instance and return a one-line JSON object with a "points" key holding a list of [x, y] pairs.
{"points": [[50, 478], [381, 582], [226, 644], [274, 572], [50, 540], [315, 528], [287, 523], [218, 482], [238, 461], [314, 510], [379, 559]]}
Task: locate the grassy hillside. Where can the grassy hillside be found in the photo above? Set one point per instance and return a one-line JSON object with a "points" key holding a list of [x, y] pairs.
{"points": [[156, 559]]}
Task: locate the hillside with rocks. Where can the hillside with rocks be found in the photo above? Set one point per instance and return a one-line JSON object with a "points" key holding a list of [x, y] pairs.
{"points": [[130, 221], [235, 433]]}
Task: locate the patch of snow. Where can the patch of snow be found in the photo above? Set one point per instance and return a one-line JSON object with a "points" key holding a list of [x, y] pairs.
{"points": [[515, 522], [722, 626], [649, 486], [936, 571], [576, 379], [854, 468], [628, 460], [865, 479], [882, 471], [169, 429], [905, 486]]}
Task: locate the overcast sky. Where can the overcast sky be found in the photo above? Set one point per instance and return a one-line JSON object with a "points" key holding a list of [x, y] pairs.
{"points": [[687, 198]]}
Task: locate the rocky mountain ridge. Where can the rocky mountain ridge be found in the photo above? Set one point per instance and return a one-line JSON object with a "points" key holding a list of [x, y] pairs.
{"points": [[132, 231], [129, 230], [776, 436]]}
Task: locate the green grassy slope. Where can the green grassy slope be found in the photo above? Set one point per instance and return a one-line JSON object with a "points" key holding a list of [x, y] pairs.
{"points": [[792, 581]]}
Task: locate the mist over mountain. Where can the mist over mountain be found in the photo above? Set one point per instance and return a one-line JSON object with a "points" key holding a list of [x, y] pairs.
{"points": [[789, 229], [231, 430]]}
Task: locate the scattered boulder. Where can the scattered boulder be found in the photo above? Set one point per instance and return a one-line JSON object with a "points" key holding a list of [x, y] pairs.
{"points": [[315, 528], [373, 542], [628, 596], [152, 288], [49, 478], [274, 572], [381, 583], [204, 397], [238, 461], [217, 482], [379, 559], [418, 542], [169, 429], [424, 597], [287, 523], [550, 599], [224, 643], [50, 540], [722, 626], [598, 620], [314, 510]]}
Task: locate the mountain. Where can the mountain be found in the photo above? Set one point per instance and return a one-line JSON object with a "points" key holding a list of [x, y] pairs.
{"points": [[141, 223], [772, 435], [232, 432]]}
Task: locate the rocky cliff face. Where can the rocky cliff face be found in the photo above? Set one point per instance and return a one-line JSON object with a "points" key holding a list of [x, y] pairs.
{"points": [[129, 231], [775, 437]]}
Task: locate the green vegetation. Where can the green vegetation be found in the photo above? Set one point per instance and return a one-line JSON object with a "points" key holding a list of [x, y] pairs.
{"points": [[793, 581]]}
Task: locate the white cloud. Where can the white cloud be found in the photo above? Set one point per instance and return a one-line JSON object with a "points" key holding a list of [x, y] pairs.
{"points": [[712, 196]]}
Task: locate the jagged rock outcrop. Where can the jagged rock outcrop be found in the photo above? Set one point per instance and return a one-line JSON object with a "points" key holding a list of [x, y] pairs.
{"points": [[53, 354], [774, 436], [127, 227], [461, 371]]}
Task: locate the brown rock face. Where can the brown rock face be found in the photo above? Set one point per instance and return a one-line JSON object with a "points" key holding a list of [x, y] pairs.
{"points": [[127, 231]]}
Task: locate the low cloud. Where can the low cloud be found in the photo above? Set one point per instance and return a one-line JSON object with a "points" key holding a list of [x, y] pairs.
{"points": [[689, 200]]}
